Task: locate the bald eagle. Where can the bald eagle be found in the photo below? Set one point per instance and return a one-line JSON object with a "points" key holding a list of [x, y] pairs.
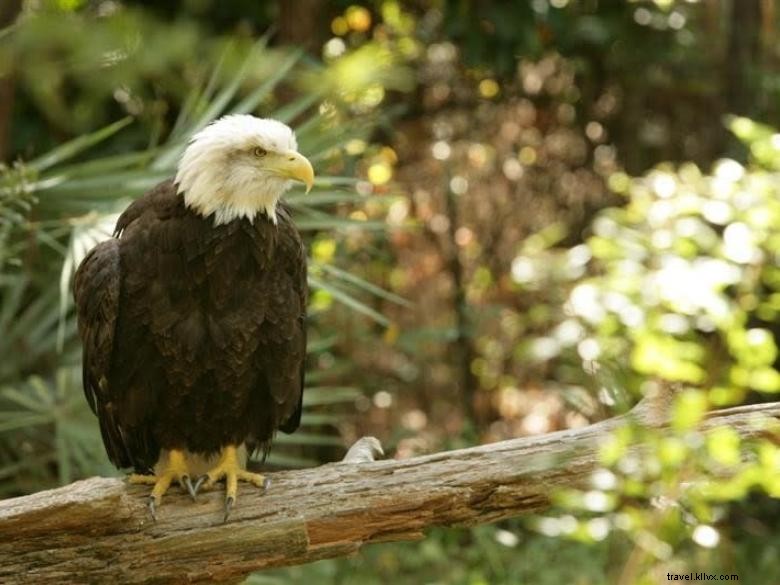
{"points": [[192, 317]]}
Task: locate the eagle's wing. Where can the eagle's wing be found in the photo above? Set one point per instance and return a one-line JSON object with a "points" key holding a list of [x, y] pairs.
{"points": [[284, 355], [299, 354], [294, 421], [96, 290]]}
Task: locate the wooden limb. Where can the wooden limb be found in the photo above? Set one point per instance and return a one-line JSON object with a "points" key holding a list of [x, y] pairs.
{"points": [[98, 530]]}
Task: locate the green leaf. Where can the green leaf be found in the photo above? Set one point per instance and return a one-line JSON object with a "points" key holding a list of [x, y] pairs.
{"points": [[723, 445], [77, 146], [349, 300], [337, 223], [300, 438], [11, 420], [295, 108], [363, 284], [22, 399], [322, 344], [286, 460], [321, 395], [108, 164], [250, 102], [314, 419], [689, 409], [315, 199]]}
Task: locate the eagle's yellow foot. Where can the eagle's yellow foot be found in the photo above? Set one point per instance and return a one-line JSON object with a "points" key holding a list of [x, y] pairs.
{"points": [[229, 469], [174, 469]]}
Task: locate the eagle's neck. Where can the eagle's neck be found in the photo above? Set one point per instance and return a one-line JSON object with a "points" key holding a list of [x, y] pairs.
{"points": [[227, 209], [227, 193]]}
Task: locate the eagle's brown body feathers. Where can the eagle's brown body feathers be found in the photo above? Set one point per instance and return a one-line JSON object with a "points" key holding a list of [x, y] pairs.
{"points": [[194, 335]]}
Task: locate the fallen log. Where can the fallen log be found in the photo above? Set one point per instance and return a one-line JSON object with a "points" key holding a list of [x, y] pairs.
{"points": [[99, 530]]}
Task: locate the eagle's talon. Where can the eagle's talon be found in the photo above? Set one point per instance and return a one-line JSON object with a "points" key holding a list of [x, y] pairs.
{"points": [[209, 479], [187, 484], [266, 484], [175, 468], [229, 501], [231, 471], [152, 505], [199, 483]]}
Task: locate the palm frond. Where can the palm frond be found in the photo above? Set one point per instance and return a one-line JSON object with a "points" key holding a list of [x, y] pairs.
{"points": [[76, 146], [348, 300], [362, 284]]}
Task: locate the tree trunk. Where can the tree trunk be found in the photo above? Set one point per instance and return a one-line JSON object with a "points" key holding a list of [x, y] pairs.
{"points": [[743, 56], [303, 23], [463, 352], [742, 64], [9, 10]]}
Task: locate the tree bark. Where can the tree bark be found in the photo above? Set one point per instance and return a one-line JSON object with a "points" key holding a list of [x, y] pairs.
{"points": [[463, 345], [300, 23], [742, 65], [9, 10], [98, 530], [743, 57]]}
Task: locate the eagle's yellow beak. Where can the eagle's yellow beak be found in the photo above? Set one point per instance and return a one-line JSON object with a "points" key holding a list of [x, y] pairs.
{"points": [[295, 166]]}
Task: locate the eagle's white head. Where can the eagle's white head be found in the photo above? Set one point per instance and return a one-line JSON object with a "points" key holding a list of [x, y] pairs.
{"points": [[240, 166]]}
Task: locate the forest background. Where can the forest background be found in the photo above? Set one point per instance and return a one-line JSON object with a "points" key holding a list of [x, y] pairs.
{"points": [[528, 216]]}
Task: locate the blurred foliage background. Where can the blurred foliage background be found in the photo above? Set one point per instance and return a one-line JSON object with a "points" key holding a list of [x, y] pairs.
{"points": [[529, 215]]}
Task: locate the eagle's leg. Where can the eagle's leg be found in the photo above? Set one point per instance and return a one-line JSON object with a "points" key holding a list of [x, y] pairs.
{"points": [[175, 468], [229, 468]]}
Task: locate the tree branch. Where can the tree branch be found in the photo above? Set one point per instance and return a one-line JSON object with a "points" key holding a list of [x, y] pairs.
{"points": [[98, 530]]}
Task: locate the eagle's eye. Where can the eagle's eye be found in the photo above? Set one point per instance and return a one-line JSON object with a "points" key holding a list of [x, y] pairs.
{"points": [[259, 152]]}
